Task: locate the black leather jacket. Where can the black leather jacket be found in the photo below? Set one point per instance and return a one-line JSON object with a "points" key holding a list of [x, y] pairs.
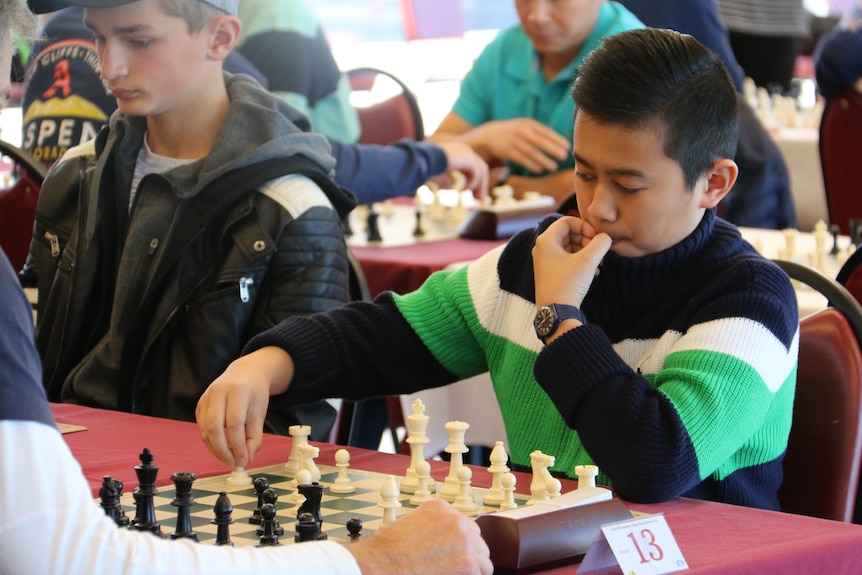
{"points": [[233, 263]]}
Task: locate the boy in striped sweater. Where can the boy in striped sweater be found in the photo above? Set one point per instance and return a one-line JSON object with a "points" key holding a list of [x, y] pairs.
{"points": [[667, 345]]}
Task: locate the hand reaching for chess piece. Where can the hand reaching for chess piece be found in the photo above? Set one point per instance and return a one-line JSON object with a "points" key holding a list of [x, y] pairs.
{"points": [[435, 539]]}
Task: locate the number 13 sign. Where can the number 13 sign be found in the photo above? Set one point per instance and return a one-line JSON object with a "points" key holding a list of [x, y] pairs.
{"points": [[639, 546]]}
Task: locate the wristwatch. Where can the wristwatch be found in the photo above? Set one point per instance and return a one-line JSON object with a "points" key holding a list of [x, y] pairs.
{"points": [[548, 318]]}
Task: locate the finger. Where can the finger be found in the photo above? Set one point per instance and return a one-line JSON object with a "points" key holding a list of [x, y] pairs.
{"points": [[236, 411], [211, 426], [596, 249]]}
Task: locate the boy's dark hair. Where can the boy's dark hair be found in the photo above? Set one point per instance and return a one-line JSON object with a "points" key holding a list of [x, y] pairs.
{"points": [[661, 77]]}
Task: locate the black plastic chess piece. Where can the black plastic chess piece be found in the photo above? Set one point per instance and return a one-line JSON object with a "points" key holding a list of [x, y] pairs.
{"points": [[183, 500], [419, 230], [260, 484], [313, 493], [373, 226], [354, 528], [835, 230], [345, 225], [145, 512], [267, 520], [856, 231], [308, 529], [223, 509], [270, 496], [110, 494]]}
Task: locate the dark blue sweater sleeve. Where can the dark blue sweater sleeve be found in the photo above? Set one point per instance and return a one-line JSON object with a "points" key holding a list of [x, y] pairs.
{"points": [[376, 173], [22, 396]]}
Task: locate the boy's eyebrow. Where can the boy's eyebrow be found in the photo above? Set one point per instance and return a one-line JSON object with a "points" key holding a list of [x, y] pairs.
{"points": [[630, 172], [133, 29]]}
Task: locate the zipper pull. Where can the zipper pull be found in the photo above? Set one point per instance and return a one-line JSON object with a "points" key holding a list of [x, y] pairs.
{"points": [[243, 288], [55, 243]]}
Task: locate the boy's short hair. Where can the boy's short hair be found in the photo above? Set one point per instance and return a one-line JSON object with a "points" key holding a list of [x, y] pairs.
{"points": [[44, 6], [653, 76]]}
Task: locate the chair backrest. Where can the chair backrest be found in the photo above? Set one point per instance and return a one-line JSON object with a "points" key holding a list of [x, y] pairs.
{"points": [[824, 451], [18, 201], [840, 151], [850, 274], [388, 110]]}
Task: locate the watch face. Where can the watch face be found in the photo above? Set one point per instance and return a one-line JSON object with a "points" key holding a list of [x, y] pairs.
{"points": [[545, 321]]}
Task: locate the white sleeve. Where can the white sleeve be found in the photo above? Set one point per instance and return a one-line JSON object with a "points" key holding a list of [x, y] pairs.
{"points": [[49, 523]]}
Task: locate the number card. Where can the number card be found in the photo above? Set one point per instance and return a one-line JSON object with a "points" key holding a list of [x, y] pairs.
{"points": [[639, 546]]}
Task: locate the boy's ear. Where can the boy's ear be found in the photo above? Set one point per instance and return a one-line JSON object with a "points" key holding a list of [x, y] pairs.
{"points": [[224, 34], [719, 179]]}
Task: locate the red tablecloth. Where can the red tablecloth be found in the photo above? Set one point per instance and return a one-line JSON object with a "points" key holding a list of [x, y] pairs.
{"points": [[714, 538], [403, 269]]}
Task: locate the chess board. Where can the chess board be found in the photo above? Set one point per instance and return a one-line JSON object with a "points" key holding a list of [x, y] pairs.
{"points": [[335, 509]]}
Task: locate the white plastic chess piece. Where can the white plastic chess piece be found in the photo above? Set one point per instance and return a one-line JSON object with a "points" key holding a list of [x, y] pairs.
{"points": [[239, 476], [542, 478], [464, 501], [456, 449], [389, 499], [498, 467], [299, 435], [417, 438], [508, 483], [342, 483], [307, 454], [422, 493], [303, 477], [586, 475]]}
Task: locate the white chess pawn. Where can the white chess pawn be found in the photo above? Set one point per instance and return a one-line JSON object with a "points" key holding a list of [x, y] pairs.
{"points": [[464, 501], [422, 493], [342, 483], [508, 482], [389, 499], [239, 476], [303, 477], [790, 235]]}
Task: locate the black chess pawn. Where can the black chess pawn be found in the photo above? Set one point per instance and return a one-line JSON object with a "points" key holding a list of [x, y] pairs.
{"points": [[183, 501], [345, 225], [145, 512], [270, 496], [373, 226], [260, 484], [308, 529], [419, 230], [354, 528], [110, 494], [835, 230], [223, 509], [267, 520]]}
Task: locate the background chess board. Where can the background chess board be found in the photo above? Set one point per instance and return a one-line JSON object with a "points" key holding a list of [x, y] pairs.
{"points": [[336, 509]]}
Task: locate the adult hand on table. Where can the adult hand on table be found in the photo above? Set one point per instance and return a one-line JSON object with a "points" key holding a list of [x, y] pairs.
{"points": [[231, 412], [434, 539], [524, 141], [566, 258]]}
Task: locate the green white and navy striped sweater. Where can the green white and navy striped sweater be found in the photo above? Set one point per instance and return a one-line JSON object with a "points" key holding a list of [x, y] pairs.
{"points": [[681, 383]]}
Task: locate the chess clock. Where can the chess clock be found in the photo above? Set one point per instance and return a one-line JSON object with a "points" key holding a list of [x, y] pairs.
{"points": [[548, 318]]}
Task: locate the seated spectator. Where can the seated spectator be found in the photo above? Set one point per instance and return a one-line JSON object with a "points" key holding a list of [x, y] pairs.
{"points": [[514, 106]]}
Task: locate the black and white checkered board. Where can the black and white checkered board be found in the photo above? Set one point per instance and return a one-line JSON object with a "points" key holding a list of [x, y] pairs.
{"points": [[336, 509]]}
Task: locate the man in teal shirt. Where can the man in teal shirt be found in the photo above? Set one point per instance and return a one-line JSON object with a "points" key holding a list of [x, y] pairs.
{"points": [[515, 105]]}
